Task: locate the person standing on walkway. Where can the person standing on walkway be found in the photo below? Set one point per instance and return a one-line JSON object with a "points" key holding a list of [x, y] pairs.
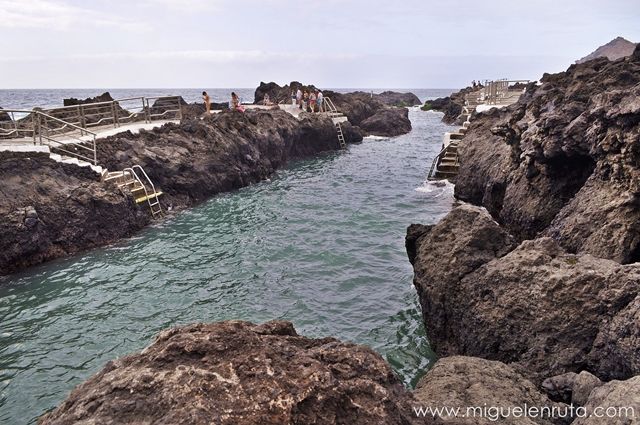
{"points": [[312, 101], [207, 102], [320, 100], [299, 98]]}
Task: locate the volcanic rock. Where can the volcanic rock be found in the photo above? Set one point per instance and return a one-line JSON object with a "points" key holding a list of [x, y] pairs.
{"points": [[104, 97], [564, 161], [470, 382], [617, 48], [392, 98], [622, 396], [542, 310], [50, 209], [197, 159], [357, 106], [387, 122], [238, 373], [450, 105]]}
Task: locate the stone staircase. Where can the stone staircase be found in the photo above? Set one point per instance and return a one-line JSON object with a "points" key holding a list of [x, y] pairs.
{"points": [[446, 164]]}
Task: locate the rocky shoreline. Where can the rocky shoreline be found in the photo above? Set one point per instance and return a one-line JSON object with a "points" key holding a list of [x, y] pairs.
{"points": [[53, 210], [529, 288], [539, 270]]}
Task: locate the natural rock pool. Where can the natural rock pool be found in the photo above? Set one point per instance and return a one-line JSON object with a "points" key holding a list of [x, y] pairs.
{"points": [[321, 245]]}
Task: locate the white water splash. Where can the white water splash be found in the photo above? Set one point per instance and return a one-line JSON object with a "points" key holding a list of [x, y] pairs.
{"points": [[436, 188]]}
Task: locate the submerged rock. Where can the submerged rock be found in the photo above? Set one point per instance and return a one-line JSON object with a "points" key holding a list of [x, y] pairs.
{"points": [[239, 373]]}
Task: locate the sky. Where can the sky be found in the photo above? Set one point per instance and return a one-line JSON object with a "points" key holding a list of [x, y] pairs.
{"points": [[330, 43]]}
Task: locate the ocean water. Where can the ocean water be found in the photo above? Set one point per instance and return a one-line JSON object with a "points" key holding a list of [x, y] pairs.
{"points": [[321, 245], [50, 98]]}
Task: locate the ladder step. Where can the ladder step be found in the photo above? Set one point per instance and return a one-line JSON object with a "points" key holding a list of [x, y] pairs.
{"points": [[147, 197]]}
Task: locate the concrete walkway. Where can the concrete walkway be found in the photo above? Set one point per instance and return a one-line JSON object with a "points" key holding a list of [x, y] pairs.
{"points": [[26, 144]]}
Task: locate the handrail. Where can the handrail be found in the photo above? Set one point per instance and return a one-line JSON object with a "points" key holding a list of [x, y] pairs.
{"points": [[435, 162], [144, 187]]}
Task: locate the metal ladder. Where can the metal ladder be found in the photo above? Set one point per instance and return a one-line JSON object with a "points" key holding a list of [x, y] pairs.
{"points": [[142, 192], [343, 144]]}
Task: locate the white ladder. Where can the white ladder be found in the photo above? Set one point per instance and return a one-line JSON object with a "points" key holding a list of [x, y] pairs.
{"points": [[343, 144]]}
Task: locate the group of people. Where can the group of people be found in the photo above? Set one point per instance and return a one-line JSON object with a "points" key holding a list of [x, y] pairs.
{"points": [[235, 103], [309, 100]]}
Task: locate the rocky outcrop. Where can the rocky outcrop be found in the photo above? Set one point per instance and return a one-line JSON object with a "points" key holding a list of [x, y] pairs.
{"points": [[388, 122], [564, 161], [4, 117], [537, 307], [382, 120], [401, 100], [104, 97], [279, 94], [189, 162], [239, 373], [197, 159], [616, 49], [451, 105], [614, 403], [571, 388], [50, 210], [470, 382]]}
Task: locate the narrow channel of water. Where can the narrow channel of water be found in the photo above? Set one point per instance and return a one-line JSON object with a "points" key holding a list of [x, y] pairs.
{"points": [[321, 245]]}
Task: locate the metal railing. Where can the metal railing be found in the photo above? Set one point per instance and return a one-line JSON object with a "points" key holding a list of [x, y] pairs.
{"points": [[497, 91], [163, 106], [151, 196], [329, 106], [435, 162], [37, 126]]}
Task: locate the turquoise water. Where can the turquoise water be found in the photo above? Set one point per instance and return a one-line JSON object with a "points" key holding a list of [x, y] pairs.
{"points": [[322, 245]]}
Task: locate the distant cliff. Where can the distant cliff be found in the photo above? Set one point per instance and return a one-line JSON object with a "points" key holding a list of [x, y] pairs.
{"points": [[615, 49]]}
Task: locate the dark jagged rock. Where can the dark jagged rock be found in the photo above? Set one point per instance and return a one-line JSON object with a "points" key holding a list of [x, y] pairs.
{"points": [[197, 109], [364, 111], [387, 122], [104, 97], [197, 159], [450, 105], [357, 106], [189, 162], [617, 48], [391, 98], [279, 94], [564, 161], [468, 382], [50, 209], [4, 117], [543, 310], [238, 373]]}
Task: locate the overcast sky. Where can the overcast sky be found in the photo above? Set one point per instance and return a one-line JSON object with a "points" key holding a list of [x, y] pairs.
{"points": [[332, 43]]}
